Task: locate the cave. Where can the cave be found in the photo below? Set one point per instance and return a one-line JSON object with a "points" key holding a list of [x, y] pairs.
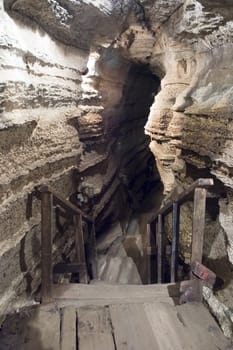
{"points": [[117, 107]]}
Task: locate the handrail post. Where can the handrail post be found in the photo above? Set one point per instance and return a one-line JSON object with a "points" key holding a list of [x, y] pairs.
{"points": [[46, 245], [93, 250], [198, 224], [160, 248], [148, 262], [175, 240], [79, 246], [198, 188], [151, 252], [198, 235]]}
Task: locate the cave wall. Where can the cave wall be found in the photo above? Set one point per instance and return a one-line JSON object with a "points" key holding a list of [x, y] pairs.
{"points": [[72, 118], [186, 43], [190, 125], [39, 92]]}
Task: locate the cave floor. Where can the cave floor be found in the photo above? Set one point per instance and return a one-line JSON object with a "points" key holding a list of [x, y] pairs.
{"points": [[116, 317]]}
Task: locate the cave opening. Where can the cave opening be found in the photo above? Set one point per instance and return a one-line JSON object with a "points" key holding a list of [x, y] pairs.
{"points": [[139, 192], [90, 146]]}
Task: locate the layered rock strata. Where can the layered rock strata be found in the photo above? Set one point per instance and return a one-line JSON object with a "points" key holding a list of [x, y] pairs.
{"points": [[187, 44], [66, 120], [39, 93]]}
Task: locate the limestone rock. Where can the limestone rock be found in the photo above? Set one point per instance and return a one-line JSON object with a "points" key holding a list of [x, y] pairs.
{"points": [[220, 311], [77, 23], [70, 114]]}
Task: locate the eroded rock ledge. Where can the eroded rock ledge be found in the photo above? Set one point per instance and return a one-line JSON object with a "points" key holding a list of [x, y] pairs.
{"points": [[76, 109], [73, 120]]}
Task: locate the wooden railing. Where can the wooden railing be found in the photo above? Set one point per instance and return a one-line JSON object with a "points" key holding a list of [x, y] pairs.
{"points": [[156, 228], [50, 199]]}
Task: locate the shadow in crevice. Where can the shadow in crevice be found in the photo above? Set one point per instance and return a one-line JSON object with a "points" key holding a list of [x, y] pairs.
{"points": [[174, 292], [222, 268], [20, 332], [23, 266]]}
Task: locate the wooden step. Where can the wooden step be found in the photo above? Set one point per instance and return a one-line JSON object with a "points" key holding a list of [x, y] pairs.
{"points": [[123, 326], [149, 326], [94, 329], [204, 333], [68, 334], [131, 328], [105, 294]]}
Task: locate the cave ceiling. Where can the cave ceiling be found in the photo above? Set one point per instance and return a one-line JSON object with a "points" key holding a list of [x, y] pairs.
{"points": [[78, 23], [85, 23]]}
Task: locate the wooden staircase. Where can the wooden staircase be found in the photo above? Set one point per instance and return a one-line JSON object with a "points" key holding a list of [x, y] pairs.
{"points": [[156, 233], [121, 317], [100, 316], [53, 204]]}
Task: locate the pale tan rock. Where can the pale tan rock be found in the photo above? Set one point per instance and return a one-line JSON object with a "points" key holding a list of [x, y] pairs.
{"points": [[66, 110]]}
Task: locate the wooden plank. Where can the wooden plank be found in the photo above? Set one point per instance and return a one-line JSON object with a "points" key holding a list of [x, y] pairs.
{"points": [[203, 331], [131, 328], [198, 230], [79, 241], [187, 327], [109, 291], [151, 251], [169, 332], [198, 224], [93, 258], [105, 302], [46, 245], [175, 240], [81, 294], [148, 234], [79, 246], [160, 247], [94, 329], [68, 329]]}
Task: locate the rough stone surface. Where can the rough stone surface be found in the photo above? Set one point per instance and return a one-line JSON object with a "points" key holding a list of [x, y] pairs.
{"points": [[64, 108], [78, 23], [222, 313], [65, 120]]}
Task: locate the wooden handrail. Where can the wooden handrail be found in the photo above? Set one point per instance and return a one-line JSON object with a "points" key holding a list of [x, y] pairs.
{"points": [[48, 198], [198, 191], [64, 203], [183, 197]]}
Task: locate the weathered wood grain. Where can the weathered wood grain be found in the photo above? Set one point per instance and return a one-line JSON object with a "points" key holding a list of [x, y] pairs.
{"points": [[132, 329], [94, 329], [68, 328]]}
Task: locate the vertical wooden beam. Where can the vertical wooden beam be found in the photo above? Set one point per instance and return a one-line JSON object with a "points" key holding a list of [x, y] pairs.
{"points": [[198, 224], [148, 234], [93, 253], [154, 252], [79, 241], [46, 246], [79, 247], [198, 235], [175, 240], [160, 249]]}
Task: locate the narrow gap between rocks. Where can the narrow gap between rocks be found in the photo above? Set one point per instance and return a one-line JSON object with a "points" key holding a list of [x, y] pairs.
{"points": [[121, 241]]}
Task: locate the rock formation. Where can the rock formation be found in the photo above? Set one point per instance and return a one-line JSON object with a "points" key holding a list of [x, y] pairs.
{"points": [[77, 81], [66, 120]]}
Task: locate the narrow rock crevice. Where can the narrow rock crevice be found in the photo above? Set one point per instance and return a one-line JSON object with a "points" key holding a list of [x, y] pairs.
{"points": [[79, 81]]}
